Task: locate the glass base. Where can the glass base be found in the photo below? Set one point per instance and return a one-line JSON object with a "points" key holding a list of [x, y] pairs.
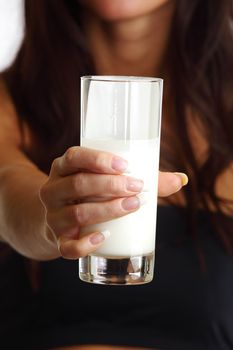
{"points": [[117, 271]]}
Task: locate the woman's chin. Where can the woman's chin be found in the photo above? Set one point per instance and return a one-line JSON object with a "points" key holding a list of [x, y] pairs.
{"points": [[116, 10]]}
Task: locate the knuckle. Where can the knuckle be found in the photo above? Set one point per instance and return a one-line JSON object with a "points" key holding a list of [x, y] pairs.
{"points": [[63, 250], [116, 184], [100, 161], [123, 183], [69, 154], [78, 182], [112, 209], [78, 215], [112, 184], [55, 164], [77, 250]]}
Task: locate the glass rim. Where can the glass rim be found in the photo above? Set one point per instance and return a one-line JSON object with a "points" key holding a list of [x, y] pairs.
{"points": [[121, 78]]}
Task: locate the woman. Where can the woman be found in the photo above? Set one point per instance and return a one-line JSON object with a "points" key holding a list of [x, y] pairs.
{"points": [[189, 44]]}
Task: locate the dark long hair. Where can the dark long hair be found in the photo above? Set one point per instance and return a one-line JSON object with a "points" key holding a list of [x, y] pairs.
{"points": [[44, 84]]}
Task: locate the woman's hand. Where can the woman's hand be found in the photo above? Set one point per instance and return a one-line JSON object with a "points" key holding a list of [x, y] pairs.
{"points": [[86, 187]]}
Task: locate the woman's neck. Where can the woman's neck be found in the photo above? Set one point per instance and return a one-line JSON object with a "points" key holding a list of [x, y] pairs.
{"points": [[131, 47]]}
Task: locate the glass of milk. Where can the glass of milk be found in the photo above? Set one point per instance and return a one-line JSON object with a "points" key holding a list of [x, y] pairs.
{"points": [[122, 115]]}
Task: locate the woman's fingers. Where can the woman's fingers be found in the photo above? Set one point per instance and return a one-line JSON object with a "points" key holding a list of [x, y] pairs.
{"points": [[92, 187], [68, 220], [74, 249], [76, 158], [66, 223], [88, 185], [72, 217], [170, 183]]}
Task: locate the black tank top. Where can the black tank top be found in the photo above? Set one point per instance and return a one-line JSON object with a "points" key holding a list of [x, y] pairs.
{"points": [[185, 307]]}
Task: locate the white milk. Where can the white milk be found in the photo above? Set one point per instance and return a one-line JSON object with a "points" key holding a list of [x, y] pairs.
{"points": [[133, 234]]}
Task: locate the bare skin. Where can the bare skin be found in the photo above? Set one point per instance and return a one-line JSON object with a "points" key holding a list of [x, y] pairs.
{"points": [[53, 203], [135, 45], [121, 48], [47, 199]]}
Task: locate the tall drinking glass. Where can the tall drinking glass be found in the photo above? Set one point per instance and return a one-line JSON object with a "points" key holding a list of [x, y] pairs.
{"points": [[122, 115]]}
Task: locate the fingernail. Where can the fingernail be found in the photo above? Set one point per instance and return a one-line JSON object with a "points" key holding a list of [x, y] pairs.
{"points": [[99, 237], [134, 185], [119, 164], [183, 177], [130, 203]]}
